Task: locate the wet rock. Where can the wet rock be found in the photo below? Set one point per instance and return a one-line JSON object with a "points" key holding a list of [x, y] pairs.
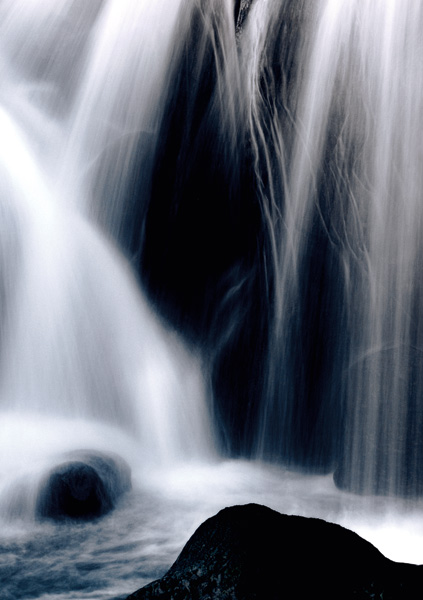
{"points": [[86, 486], [242, 8], [254, 553]]}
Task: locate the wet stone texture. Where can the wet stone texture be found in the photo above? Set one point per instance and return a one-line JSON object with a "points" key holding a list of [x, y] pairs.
{"points": [[254, 553]]}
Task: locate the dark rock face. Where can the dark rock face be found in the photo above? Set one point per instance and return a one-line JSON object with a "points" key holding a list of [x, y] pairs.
{"points": [[254, 553], [201, 238], [85, 487], [282, 326], [205, 250], [241, 11]]}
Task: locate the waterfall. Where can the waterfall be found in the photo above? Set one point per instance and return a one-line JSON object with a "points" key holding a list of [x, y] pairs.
{"points": [[287, 165], [335, 101], [210, 254], [210, 229], [84, 360]]}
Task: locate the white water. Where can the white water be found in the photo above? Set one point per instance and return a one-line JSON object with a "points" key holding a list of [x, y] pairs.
{"points": [[78, 340], [84, 361], [342, 153]]}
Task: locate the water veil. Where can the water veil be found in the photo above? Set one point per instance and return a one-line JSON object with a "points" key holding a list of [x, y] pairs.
{"points": [[340, 187], [210, 240], [80, 348]]}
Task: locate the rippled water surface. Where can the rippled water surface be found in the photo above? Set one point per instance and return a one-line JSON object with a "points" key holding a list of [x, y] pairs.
{"points": [[113, 556]]}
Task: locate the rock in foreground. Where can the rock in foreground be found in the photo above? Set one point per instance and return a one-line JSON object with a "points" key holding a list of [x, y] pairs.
{"points": [[86, 486], [254, 553]]}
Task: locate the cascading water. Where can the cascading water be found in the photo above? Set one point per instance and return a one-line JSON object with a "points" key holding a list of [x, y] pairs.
{"points": [[260, 176], [342, 196], [78, 341]]}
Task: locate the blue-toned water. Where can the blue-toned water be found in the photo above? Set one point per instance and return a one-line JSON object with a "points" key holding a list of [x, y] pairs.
{"points": [[210, 266], [136, 543]]}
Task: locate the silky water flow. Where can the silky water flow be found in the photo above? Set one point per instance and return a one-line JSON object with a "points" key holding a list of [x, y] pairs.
{"points": [[210, 267]]}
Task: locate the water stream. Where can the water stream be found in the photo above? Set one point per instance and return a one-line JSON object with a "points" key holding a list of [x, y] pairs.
{"points": [[210, 245]]}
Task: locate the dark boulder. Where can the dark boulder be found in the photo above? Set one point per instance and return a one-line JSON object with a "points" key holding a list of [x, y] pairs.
{"points": [[86, 486], [254, 553]]}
